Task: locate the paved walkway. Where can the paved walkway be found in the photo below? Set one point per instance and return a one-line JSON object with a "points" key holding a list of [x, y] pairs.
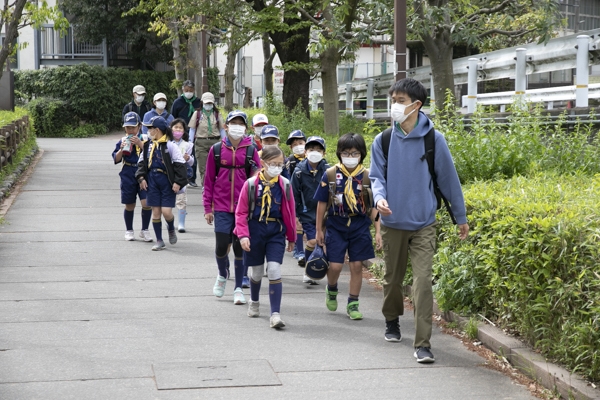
{"points": [[86, 315]]}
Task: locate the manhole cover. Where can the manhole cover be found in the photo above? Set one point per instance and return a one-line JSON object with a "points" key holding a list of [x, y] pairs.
{"points": [[210, 374]]}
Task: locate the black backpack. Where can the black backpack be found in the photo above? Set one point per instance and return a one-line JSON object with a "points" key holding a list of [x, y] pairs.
{"points": [[429, 155], [248, 163]]}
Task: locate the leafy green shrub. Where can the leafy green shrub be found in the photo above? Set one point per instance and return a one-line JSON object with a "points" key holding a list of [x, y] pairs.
{"points": [[531, 263], [86, 130], [52, 117], [95, 94]]}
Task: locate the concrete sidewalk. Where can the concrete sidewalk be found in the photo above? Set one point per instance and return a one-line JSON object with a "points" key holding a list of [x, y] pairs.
{"points": [[86, 315]]}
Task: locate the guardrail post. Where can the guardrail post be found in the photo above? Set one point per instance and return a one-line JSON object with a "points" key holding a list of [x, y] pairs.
{"points": [[315, 100], [582, 77], [520, 76], [431, 90], [472, 86], [349, 103], [370, 86]]}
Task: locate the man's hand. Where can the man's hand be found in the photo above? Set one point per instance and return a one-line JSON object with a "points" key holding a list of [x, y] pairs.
{"points": [[143, 184], [383, 207], [209, 218], [245, 243], [463, 231]]}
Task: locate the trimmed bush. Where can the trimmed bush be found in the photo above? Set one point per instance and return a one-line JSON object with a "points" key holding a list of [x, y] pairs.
{"points": [[531, 264], [52, 117], [96, 95]]}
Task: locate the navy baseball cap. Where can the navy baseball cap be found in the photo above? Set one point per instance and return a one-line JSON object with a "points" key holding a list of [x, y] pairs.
{"points": [[269, 131], [297, 134], [237, 113], [157, 122], [317, 264], [131, 119], [316, 139]]}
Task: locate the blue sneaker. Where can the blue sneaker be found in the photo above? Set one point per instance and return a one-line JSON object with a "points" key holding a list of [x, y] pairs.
{"points": [[296, 254], [245, 282]]}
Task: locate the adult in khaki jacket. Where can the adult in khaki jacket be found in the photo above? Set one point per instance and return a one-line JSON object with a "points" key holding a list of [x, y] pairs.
{"points": [[206, 129]]}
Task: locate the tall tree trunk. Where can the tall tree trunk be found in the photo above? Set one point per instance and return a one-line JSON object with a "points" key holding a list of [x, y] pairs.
{"points": [[12, 21], [440, 49], [178, 59], [293, 47], [198, 57], [329, 62], [229, 76], [268, 66]]}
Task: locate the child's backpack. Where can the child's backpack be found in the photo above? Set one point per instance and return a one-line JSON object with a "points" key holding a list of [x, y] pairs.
{"points": [[252, 193], [248, 163], [366, 192], [429, 155]]}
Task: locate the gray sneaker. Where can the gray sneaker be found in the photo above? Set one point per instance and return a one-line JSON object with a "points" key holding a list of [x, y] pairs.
{"points": [[424, 355], [160, 245], [276, 321], [172, 237], [253, 311]]}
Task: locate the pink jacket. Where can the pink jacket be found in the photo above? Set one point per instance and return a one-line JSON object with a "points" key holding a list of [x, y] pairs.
{"points": [[221, 192], [288, 213]]}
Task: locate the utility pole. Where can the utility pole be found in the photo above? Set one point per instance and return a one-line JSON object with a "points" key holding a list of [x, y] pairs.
{"points": [[400, 38]]}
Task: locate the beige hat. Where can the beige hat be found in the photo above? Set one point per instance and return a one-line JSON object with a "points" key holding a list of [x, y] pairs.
{"points": [[208, 97], [159, 96], [139, 89]]}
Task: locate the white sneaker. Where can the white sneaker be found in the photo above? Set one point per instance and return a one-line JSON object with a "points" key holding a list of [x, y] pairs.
{"points": [[306, 279], [276, 321], [219, 288], [238, 296], [253, 310], [129, 236], [145, 235]]}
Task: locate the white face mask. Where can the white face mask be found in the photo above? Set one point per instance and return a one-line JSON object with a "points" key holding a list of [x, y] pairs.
{"points": [[188, 95], [397, 111], [160, 105], [314, 156], [208, 106], [298, 149], [350, 162], [236, 131], [274, 170], [258, 130], [139, 99]]}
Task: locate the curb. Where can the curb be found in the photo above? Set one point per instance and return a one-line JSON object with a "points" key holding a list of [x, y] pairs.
{"points": [[12, 181], [530, 363]]}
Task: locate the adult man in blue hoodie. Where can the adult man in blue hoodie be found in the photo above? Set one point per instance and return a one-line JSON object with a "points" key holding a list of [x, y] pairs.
{"points": [[407, 205]]}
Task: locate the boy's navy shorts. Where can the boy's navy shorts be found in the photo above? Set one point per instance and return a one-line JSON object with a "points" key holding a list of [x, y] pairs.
{"points": [[355, 238], [224, 222], [160, 190], [267, 240], [310, 230], [130, 188]]}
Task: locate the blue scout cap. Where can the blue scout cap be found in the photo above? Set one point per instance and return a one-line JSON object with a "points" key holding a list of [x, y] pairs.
{"points": [[316, 139], [157, 122], [269, 131], [297, 134], [237, 113], [317, 264], [131, 119]]}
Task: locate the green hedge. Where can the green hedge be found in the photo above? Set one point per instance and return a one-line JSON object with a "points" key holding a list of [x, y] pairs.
{"points": [[94, 95], [530, 264]]}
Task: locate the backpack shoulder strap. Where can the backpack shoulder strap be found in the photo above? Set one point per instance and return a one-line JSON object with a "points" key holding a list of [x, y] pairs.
{"points": [[332, 185], [251, 196], [386, 137], [248, 161], [216, 112], [217, 156], [287, 187], [367, 192]]}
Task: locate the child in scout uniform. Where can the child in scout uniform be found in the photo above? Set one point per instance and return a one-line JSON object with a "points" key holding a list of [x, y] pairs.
{"points": [[296, 141], [128, 151], [264, 217], [162, 172], [344, 194], [223, 181], [305, 181], [258, 122], [180, 138]]}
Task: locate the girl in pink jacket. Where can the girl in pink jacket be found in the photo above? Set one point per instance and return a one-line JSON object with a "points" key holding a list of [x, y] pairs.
{"points": [[264, 217], [229, 164]]}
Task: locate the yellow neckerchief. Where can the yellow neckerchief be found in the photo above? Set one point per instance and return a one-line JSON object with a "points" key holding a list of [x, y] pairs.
{"points": [[348, 190], [299, 157], [163, 139], [266, 196]]}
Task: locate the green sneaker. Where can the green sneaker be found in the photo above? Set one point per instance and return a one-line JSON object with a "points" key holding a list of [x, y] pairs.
{"points": [[330, 299], [352, 310]]}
